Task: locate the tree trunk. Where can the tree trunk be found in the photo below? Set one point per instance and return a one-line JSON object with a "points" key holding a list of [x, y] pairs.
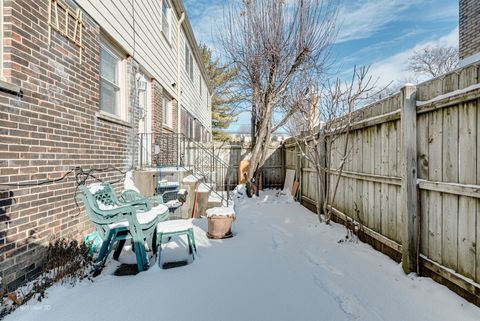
{"points": [[259, 151]]}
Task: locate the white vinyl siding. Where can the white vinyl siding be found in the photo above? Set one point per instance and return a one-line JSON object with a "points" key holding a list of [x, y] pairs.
{"points": [[111, 84], [144, 39], [196, 104]]}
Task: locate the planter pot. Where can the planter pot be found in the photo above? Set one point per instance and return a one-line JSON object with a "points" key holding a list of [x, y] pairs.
{"points": [[220, 221], [220, 227]]}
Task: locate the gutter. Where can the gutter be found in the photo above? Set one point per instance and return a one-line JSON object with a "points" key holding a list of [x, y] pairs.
{"points": [[179, 87], [180, 8]]}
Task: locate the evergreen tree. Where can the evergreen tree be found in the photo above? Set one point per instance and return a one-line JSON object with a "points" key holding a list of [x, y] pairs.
{"points": [[223, 97]]}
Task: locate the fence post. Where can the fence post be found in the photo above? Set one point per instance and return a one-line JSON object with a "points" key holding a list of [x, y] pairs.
{"points": [[298, 171], [322, 154], [409, 178]]}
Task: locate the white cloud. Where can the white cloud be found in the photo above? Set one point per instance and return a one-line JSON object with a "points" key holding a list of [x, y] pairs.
{"points": [[362, 18], [394, 67], [206, 17]]}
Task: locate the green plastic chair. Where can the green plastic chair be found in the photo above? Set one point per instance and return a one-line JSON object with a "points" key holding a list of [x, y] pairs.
{"points": [[117, 221], [166, 229]]}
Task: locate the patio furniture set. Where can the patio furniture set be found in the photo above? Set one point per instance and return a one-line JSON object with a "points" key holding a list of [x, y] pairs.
{"points": [[133, 217]]}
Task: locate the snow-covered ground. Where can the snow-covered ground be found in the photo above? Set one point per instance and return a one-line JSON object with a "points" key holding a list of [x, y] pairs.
{"points": [[280, 265]]}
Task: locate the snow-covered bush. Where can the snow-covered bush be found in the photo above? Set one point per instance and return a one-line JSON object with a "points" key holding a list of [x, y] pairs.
{"points": [[66, 262]]}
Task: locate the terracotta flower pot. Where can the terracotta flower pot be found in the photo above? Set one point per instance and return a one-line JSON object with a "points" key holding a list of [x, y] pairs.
{"points": [[220, 227]]}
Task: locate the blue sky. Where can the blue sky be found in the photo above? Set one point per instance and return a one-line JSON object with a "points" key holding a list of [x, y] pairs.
{"points": [[379, 33]]}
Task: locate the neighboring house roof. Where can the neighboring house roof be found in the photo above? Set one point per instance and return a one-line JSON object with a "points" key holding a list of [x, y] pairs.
{"points": [[187, 27]]}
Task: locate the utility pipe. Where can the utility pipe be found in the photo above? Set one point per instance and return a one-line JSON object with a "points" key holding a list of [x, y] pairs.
{"points": [[179, 87]]}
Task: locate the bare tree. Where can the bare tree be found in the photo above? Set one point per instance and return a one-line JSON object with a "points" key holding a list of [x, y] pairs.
{"points": [[433, 61], [391, 88], [324, 119], [274, 44]]}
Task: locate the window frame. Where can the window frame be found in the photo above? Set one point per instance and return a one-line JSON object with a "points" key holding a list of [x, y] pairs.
{"points": [[166, 19], [167, 110], [200, 85], [187, 58], [188, 61], [190, 126], [191, 66], [121, 98]]}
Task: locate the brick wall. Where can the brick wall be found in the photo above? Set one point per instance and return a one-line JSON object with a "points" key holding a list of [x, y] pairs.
{"points": [[157, 107], [48, 129], [469, 28]]}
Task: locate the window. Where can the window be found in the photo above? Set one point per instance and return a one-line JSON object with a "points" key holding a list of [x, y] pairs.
{"points": [[167, 112], [191, 67], [188, 62], [190, 132], [166, 19], [187, 58], [111, 72]]}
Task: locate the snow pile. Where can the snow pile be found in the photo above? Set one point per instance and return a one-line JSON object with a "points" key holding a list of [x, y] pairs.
{"points": [[214, 198], [276, 197], [173, 204], [282, 265], [174, 226], [105, 207], [95, 187], [143, 217], [239, 192], [191, 179], [221, 211], [169, 169], [128, 183], [204, 188]]}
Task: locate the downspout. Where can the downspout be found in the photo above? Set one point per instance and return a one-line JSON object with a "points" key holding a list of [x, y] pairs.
{"points": [[179, 88]]}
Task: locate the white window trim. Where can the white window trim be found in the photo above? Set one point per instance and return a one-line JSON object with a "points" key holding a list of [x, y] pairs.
{"points": [[168, 18], [189, 62], [187, 57], [107, 44], [191, 72], [169, 110]]}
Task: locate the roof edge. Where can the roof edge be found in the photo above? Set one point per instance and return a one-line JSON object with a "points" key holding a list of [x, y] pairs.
{"points": [[180, 8]]}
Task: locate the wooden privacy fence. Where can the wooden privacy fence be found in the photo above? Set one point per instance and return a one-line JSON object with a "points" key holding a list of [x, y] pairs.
{"points": [[232, 153], [412, 178]]}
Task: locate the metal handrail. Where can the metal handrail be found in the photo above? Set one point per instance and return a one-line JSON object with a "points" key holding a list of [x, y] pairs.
{"points": [[187, 153]]}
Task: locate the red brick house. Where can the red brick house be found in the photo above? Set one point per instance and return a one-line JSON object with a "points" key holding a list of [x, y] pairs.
{"points": [[76, 91]]}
